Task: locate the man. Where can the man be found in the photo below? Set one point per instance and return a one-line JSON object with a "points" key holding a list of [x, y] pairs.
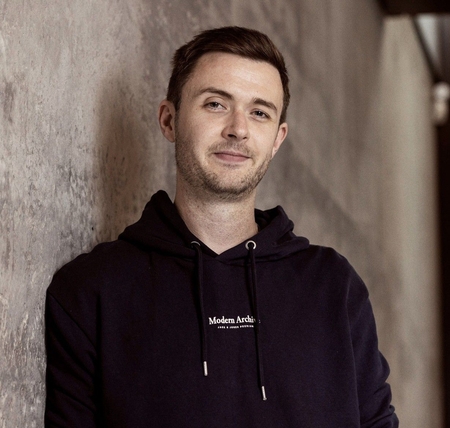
{"points": [[207, 312]]}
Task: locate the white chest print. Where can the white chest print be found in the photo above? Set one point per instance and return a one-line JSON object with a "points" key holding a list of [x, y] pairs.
{"points": [[225, 323]]}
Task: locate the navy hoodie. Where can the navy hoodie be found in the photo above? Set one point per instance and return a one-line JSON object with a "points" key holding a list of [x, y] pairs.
{"points": [[134, 326]]}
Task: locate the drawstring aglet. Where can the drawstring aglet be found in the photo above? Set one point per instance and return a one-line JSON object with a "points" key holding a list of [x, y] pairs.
{"points": [[205, 368], [263, 390]]}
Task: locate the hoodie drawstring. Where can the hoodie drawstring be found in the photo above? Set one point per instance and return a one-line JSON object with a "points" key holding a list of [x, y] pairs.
{"points": [[250, 246], [196, 246]]}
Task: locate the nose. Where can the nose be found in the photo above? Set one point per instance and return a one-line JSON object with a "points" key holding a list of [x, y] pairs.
{"points": [[236, 126]]}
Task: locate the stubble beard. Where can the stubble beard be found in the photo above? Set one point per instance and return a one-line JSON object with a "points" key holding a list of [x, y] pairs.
{"points": [[210, 183]]}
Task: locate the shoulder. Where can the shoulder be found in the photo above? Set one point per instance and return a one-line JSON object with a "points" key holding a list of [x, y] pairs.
{"points": [[331, 272], [329, 261], [84, 278]]}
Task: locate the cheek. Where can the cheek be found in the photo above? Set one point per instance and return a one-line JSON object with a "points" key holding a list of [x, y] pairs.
{"points": [[205, 132], [265, 139], [196, 126]]}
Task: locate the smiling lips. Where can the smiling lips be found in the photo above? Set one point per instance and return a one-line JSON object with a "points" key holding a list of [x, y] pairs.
{"points": [[231, 157]]}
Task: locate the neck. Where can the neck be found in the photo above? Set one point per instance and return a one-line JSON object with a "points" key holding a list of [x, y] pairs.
{"points": [[219, 224]]}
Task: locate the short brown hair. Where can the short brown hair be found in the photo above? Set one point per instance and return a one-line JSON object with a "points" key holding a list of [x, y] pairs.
{"points": [[240, 41]]}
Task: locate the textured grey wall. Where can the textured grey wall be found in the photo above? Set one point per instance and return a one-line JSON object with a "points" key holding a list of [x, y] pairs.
{"points": [[358, 173], [81, 153], [407, 237]]}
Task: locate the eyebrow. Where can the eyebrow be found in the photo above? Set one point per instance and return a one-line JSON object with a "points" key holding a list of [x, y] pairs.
{"points": [[228, 96], [265, 103], [213, 90]]}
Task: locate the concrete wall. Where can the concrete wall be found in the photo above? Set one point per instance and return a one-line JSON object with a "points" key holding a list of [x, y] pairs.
{"points": [[359, 174], [80, 154]]}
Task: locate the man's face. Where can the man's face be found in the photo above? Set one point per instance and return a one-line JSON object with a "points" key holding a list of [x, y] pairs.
{"points": [[227, 129]]}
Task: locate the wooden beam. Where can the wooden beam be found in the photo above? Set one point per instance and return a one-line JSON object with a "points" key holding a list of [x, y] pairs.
{"points": [[415, 6]]}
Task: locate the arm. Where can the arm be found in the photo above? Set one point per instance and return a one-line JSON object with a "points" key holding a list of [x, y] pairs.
{"points": [[372, 371], [70, 377]]}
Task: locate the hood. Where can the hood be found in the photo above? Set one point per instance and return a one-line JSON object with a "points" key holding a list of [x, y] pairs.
{"points": [[161, 228]]}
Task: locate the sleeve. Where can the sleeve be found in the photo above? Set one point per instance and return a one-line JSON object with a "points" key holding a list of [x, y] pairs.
{"points": [[372, 369], [71, 370]]}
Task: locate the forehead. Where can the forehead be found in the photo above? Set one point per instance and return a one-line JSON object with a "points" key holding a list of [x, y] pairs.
{"points": [[237, 75]]}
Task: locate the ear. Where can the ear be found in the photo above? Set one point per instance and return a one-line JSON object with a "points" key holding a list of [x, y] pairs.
{"points": [[166, 118], [281, 135]]}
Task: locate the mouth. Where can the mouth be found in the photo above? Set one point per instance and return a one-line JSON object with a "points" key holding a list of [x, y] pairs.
{"points": [[229, 156]]}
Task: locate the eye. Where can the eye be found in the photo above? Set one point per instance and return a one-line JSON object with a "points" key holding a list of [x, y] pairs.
{"points": [[261, 114], [214, 105]]}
